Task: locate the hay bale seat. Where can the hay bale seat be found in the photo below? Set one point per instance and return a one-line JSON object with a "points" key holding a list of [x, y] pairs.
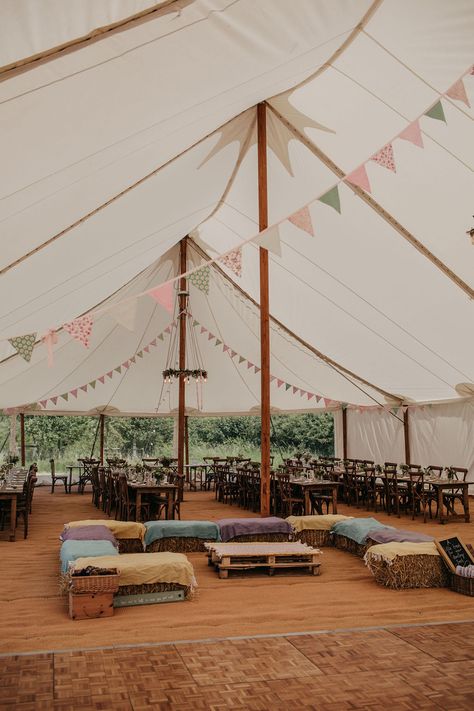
{"points": [[255, 530], [130, 535], [351, 535], [179, 536], [315, 531], [142, 573], [350, 546], [407, 565]]}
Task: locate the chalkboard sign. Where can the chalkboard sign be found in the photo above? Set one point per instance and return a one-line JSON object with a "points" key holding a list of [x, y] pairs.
{"points": [[454, 552]]}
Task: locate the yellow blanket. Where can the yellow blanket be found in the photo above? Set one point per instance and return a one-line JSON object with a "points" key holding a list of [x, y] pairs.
{"points": [[389, 551], [145, 568], [315, 523], [120, 529]]}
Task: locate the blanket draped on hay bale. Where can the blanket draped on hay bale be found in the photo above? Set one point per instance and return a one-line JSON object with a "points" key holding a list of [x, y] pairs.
{"points": [[138, 571], [315, 530], [407, 565], [351, 535], [72, 550], [120, 529], [179, 536], [247, 530]]}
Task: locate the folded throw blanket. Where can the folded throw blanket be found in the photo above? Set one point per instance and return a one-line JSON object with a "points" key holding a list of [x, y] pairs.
{"points": [[315, 523], [89, 533], [356, 528], [231, 527], [387, 534], [390, 551], [120, 529], [466, 571], [72, 550], [145, 568], [207, 530]]}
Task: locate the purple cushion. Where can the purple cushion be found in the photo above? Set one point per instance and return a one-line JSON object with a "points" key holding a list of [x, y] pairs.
{"points": [[231, 527], [89, 533]]}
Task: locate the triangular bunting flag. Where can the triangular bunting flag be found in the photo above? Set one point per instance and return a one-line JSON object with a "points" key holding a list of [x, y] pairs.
{"points": [[65, 396], [385, 158], [132, 359], [24, 345], [195, 323], [153, 342], [279, 382], [43, 403], [126, 364], [272, 378], [118, 369], [241, 359], [110, 374], [317, 398], [436, 112], [147, 349], [125, 314], [101, 379], [302, 392], [80, 329], [54, 399], [200, 279], [160, 337], [249, 365], [412, 133], [360, 178], [225, 348], [270, 239], [302, 220], [331, 198], [218, 342], [210, 336], [163, 295], [203, 329], [458, 92], [233, 354], [92, 384], [140, 354], [167, 329], [256, 369], [295, 389], [74, 392], [327, 401], [84, 388], [233, 261], [309, 395], [287, 386]]}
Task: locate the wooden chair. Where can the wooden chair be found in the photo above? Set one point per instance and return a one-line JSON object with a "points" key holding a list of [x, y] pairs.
{"points": [[291, 505], [85, 476], [396, 493], [57, 477], [421, 495], [435, 469], [128, 507], [450, 497], [23, 503], [96, 492]]}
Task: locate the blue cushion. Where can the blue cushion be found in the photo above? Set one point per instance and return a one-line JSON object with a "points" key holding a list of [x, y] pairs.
{"points": [[71, 550], [356, 528], [206, 530]]}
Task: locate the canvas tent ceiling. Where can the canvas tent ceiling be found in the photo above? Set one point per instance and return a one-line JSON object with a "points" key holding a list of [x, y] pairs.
{"points": [[383, 289]]}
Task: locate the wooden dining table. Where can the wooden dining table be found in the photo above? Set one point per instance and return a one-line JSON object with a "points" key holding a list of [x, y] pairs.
{"points": [[10, 494], [169, 490], [307, 486]]}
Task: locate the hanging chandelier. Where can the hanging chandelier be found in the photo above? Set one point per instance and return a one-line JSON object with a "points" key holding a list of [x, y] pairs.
{"points": [[194, 369]]}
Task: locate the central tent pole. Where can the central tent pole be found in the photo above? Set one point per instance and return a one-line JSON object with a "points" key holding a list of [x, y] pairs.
{"points": [[264, 313], [406, 433], [183, 302], [22, 440], [101, 437]]}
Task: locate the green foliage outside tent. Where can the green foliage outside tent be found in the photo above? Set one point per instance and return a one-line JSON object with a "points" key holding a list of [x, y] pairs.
{"points": [[67, 438]]}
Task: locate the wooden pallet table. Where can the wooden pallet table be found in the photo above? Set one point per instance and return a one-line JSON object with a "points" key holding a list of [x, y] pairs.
{"points": [[270, 556]]}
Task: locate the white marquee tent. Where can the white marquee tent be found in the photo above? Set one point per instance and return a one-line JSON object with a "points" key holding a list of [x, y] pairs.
{"points": [[127, 125]]}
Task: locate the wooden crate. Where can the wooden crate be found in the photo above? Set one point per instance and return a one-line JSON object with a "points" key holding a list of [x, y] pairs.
{"points": [[86, 606], [248, 556]]}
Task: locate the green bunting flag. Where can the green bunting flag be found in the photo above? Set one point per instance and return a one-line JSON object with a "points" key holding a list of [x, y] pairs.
{"points": [[161, 337], [92, 384], [200, 279], [287, 386], [331, 198], [140, 354], [218, 342], [24, 345], [241, 359], [436, 112], [195, 323], [118, 369], [65, 396]]}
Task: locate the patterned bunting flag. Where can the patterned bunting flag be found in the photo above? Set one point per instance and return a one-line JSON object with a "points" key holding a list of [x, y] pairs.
{"points": [[385, 158], [203, 329], [201, 278], [458, 92], [412, 133], [331, 198], [163, 295], [302, 220], [270, 239], [126, 364], [233, 261], [360, 178], [24, 345], [80, 329], [160, 337], [436, 112]]}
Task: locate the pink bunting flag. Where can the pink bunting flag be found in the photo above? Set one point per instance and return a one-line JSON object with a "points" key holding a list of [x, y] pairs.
{"points": [[80, 329], [360, 178], [225, 348], [256, 369], [163, 295], [132, 360], [249, 365], [233, 354], [233, 261], [43, 404], [167, 329], [147, 349], [101, 379], [318, 398], [309, 395], [458, 92], [153, 342], [50, 339], [302, 392], [84, 388], [280, 382], [327, 401], [126, 364], [74, 392], [295, 389], [385, 158], [272, 378], [110, 374], [54, 399], [203, 329], [302, 220], [412, 133]]}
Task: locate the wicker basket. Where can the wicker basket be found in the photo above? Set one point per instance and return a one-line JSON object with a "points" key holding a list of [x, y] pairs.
{"points": [[94, 583], [462, 585]]}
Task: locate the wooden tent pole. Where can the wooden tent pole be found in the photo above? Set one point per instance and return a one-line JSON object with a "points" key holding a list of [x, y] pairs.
{"points": [[22, 439], [102, 437], [344, 433], [186, 441], [406, 433], [183, 302], [264, 314]]}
